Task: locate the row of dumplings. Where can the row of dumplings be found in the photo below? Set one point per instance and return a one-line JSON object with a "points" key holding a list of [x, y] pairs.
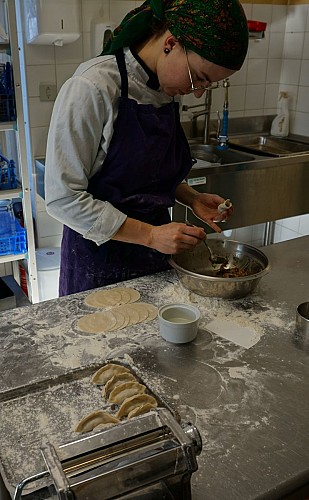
{"points": [[120, 387]]}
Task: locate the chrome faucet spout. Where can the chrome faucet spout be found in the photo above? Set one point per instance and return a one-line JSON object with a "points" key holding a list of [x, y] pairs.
{"points": [[204, 112], [208, 100], [194, 117]]}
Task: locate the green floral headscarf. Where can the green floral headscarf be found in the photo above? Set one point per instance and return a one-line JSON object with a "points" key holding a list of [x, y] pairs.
{"points": [[215, 29]]}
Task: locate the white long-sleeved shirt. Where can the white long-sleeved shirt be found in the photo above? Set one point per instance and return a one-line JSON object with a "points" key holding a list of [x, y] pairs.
{"points": [[80, 132]]}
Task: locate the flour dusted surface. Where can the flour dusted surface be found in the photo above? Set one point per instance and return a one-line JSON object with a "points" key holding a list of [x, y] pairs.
{"points": [[234, 395]]}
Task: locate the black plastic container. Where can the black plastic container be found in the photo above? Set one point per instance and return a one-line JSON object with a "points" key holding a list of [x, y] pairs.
{"points": [[7, 297]]}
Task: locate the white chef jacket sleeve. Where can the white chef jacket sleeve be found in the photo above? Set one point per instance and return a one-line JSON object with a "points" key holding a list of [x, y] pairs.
{"points": [[81, 121]]}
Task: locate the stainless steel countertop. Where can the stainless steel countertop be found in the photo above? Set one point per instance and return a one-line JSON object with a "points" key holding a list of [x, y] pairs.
{"points": [[250, 405]]}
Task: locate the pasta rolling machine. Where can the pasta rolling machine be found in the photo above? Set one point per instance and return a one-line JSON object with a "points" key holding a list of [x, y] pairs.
{"points": [[146, 458]]}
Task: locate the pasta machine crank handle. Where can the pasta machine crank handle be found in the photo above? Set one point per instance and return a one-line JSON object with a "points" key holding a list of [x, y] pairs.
{"points": [[19, 488]]}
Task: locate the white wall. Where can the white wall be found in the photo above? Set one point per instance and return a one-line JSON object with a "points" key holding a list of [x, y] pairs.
{"points": [[278, 62]]}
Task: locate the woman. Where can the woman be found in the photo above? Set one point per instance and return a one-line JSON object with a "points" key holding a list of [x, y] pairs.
{"points": [[116, 153]]}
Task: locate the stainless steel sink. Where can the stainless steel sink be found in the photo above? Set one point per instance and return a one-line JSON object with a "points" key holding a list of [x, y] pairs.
{"points": [[269, 145], [210, 154]]}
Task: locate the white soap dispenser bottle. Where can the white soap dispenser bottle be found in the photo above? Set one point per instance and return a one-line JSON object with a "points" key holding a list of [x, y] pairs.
{"points": [[280, 125]]}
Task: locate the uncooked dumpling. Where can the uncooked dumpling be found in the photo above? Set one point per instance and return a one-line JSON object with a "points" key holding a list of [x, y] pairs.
{"points": [[116, 380], [140, 410], [130, 403], [125, 391], [102, 427], [106, 372], [94, 419]]}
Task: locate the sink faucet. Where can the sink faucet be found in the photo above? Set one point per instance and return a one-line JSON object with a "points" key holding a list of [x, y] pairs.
{"points": [[204, 112], [221, 135]]}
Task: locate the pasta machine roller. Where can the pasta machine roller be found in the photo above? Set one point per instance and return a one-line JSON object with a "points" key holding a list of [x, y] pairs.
{"points": [[147, 458]]}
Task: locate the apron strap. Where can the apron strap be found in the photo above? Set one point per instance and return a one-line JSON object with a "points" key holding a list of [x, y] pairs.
{"points": [[123, 72]]}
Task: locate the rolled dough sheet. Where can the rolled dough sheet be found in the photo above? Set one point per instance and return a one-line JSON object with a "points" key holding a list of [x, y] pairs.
{"points": [[112, 297], [117, 318], [243, 336]]}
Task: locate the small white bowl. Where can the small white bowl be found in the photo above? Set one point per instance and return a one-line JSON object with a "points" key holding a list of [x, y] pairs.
{"points": [[178, 322]]}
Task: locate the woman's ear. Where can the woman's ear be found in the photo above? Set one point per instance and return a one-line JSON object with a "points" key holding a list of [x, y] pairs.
{"points": [[170, 42]]}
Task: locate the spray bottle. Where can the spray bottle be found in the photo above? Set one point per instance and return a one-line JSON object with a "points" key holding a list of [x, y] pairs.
{"points": [[280, 125]]}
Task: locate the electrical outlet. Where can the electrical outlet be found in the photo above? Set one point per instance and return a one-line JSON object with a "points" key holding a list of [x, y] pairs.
{"points": [[48, 91]]}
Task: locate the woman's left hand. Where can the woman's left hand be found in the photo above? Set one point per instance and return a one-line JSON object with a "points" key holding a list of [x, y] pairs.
{"points": [[205, 207]]}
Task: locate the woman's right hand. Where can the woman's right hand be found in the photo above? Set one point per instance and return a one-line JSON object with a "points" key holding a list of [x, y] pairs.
{"points": [[175, 237], [171, 238]]}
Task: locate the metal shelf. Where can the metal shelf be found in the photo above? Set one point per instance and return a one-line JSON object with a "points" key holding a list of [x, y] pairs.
{"points": [[7, 126], [12, 257], [25, 171], [8, 194], [5, 47]]}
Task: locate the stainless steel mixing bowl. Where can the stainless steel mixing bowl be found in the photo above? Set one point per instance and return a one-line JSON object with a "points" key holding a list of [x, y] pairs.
{"points": [[197, 274]]}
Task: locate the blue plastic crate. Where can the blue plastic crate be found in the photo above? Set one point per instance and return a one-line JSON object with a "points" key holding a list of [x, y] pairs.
{"points": [[14, 243], [7, 174]]}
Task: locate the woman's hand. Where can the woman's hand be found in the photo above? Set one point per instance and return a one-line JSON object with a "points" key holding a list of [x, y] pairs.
{"points": [[171, 238], [203, 205], [175, 237]]}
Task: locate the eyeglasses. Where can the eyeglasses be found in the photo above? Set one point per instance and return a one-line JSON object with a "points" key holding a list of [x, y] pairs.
{"points": [[193, 87]]}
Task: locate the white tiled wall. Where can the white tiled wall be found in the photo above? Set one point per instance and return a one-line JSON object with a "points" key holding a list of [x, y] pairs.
{"points": [[280, 61], [287, 229]]}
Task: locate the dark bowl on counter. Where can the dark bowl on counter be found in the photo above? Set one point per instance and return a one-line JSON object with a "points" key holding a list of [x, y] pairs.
{"points": [[197, 274]]}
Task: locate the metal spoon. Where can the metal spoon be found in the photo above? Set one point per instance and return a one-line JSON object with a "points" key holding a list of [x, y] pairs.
{"points": [[214, 259]]}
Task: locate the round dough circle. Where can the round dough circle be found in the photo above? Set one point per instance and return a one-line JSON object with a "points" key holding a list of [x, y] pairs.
{"points": [[128, 294], [103, 298], [147, 312], [129, 311], [99, 322], [122, 320], [112, 297]]}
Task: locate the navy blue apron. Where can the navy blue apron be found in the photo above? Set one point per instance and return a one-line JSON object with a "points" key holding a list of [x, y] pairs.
{"points": [[147, 158]]}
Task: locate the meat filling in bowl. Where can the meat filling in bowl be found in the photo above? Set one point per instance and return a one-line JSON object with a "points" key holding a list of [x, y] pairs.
{"points": [[233, 272]]}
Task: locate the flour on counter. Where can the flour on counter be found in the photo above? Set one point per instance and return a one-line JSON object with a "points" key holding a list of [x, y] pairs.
{"points": [[242, 322], [241, 335], [240, 372]]}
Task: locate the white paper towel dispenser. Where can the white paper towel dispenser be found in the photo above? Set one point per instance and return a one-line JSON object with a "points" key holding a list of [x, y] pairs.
{"points": [[100, 32], [52, 22]]}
